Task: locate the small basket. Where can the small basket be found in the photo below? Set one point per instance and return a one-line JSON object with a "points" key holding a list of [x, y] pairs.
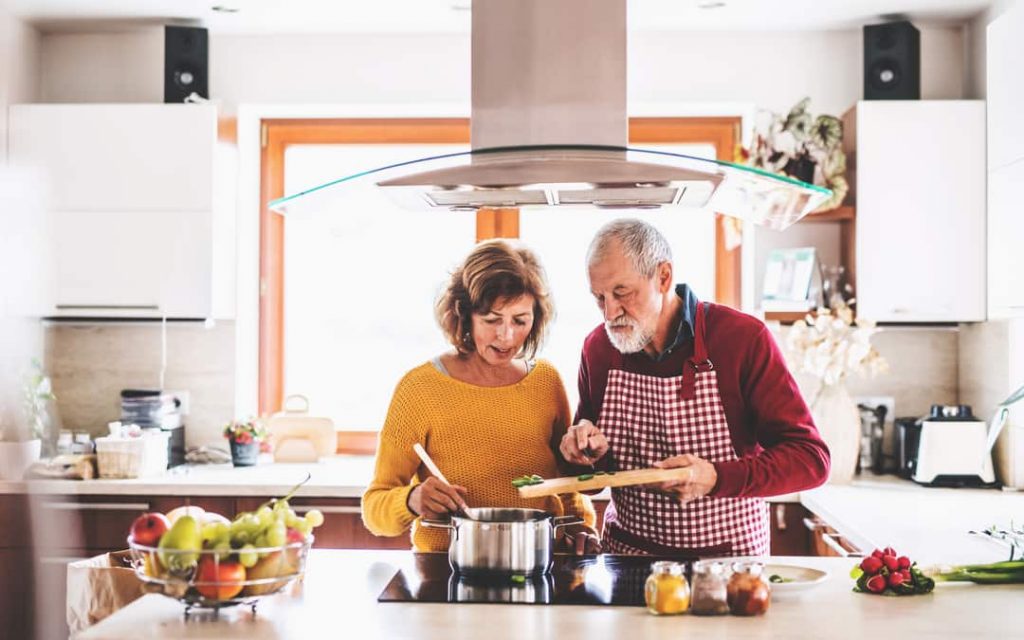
{"points": [[132, 457]]}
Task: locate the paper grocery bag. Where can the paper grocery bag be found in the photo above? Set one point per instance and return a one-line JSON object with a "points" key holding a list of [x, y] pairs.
{"points": [[98, 587]]}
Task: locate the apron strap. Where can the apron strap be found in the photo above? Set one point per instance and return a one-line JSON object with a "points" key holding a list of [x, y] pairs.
{"points": [[699, 362]]}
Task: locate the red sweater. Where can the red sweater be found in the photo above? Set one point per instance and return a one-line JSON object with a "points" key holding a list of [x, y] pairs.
{"points": [[778, 446]]}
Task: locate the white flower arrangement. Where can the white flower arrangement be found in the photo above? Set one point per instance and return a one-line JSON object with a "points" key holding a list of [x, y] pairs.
{"points": [[830, 344]]}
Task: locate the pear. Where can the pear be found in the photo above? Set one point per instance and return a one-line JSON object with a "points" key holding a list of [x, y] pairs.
{"points": [[183, 536]]}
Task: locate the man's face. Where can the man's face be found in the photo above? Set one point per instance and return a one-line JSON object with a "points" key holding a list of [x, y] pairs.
{"points": [[630, 302]]}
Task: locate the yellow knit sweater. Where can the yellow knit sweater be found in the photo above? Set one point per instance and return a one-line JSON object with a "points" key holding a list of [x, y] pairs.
{"points": [[480, 438]]}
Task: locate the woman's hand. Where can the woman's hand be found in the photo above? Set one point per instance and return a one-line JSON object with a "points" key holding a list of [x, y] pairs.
{"points": [[583, 444], [433, 499], [579, 539]]}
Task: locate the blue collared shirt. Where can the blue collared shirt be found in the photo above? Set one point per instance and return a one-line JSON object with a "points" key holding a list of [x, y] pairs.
{"points": [[687, 320]]}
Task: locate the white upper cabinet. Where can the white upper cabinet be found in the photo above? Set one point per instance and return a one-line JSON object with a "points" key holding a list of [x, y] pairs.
{"points": [[1005, 91], [131, 191], [920, 198], [1004, 62], [131, 157]]}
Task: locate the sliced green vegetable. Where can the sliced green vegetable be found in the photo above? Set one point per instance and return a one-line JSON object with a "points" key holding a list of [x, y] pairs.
{"points": [[585, 476], [519, 579], [777, 579]]}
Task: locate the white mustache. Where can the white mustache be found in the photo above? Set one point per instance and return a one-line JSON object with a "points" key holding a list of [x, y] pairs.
{"points": [[621, 321]]}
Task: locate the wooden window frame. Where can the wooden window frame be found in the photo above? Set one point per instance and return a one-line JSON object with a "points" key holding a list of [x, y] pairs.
{"points": [[277, 134]]}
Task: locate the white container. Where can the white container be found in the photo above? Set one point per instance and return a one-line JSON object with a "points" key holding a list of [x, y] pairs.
{"points": [[132, 457], [17, 457], [1009, 456]]}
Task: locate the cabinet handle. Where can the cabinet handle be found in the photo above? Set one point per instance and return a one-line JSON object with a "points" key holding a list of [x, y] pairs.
{"points": [[834, 545], [127, 307], [811, 525], [59, 559], [780, 517], [327, 508], [96, 506]]}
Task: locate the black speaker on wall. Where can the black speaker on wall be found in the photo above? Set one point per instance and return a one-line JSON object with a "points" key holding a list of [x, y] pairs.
{"points": [[185, 63], [892, 62]]}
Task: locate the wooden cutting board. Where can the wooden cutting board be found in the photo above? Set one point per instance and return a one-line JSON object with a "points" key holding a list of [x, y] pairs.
{"points": [[571, 484]]}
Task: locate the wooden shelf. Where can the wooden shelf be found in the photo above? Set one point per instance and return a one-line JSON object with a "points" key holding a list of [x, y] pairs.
{"points": [[839, 214]]}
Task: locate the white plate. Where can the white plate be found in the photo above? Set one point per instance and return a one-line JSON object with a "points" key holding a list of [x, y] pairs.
{"points": [[802, 578]]}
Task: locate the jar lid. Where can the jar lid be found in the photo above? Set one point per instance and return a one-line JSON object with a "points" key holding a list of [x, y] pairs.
{"points": [[753, 568], [708, 567], [667, 567]]}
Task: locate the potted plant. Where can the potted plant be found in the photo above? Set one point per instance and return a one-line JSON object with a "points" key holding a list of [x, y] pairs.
{"points": [[247, 438], [801, 146], [21, 438]]}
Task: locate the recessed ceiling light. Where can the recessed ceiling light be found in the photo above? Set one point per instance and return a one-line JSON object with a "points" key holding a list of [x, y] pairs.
{"points": [[226, 8], [461, 6], [710, 4]]}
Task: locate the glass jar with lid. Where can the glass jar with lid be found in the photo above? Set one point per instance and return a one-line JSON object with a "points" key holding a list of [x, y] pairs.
{"points": [[748, 592], [709, 595], [666, 591]]}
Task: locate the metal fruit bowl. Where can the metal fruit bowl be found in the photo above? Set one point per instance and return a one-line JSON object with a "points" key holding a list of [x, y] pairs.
{"points": [[186, 575]]}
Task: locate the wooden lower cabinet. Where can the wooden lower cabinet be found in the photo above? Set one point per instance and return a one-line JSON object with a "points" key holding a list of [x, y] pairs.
{"points": [[789, 536]]}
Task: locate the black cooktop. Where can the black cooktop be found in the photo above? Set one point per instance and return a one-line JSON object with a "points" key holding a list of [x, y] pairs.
{"points": [[601, 579]]}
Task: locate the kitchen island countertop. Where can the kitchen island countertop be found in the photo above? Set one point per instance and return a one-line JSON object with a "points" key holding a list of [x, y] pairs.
{"points": [[341, 588]]}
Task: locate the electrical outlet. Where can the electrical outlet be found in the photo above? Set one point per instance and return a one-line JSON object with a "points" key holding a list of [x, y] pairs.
{"points": [[183, 398]]}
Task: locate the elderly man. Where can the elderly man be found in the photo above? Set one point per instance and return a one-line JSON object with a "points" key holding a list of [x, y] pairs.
{"points": [[669, 381]]}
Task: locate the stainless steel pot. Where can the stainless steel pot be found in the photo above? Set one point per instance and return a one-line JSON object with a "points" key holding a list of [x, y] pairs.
{"points": [[502, 541]]}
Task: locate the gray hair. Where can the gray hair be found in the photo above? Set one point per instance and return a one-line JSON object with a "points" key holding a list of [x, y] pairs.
{"points": [[642, 244]]}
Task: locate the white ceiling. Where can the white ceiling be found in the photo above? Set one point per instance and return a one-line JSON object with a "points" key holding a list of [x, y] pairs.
{"points": [[430, 16]]}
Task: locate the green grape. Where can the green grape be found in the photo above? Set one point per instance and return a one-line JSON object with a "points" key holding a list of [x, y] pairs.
{"points": [[261, 541], [214, 531], [240, 538], [314, 517], [247, 556], [223, 549], [276, 535], [265, 515], [304, 527]]}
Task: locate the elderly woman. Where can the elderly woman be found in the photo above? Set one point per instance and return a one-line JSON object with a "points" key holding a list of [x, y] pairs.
{"points": [[486, 412]]}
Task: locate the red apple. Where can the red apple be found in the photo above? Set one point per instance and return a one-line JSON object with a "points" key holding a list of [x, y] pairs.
{"points": [[147, 528], [225, 579]]}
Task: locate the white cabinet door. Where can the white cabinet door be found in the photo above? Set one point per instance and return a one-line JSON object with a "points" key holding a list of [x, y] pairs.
{"points": [[138, 264], [1005, 87], [1006, 241], [131, 188], [133, 157], [921, 211]]}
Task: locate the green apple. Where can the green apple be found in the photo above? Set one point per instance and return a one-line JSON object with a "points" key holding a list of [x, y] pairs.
{"points": [[179, 546]]}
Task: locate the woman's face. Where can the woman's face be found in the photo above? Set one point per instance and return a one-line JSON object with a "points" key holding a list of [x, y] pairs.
{"points": [[500, 333]]}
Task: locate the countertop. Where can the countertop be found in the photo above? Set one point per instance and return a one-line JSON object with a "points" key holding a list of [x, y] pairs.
{"points": [[929, 523], [339, 476], [341, 588]]}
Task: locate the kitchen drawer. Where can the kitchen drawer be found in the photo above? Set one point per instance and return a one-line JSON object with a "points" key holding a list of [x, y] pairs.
{"points": [[102, 523], [826, 541], [16, 589], [343, 523]]}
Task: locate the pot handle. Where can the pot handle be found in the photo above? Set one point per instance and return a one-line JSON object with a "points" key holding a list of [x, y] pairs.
{"points": [[568, 522], [441, 524]]}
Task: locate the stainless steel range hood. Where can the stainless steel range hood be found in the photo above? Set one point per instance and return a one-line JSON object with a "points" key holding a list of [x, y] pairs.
{"points": [[549, 129]]}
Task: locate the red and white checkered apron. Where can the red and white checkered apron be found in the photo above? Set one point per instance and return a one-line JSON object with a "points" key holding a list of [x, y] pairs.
{"points": [[647, 419]]}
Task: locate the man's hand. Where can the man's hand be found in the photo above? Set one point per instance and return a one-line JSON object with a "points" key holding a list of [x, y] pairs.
{"points": [[583, 444], [434, 499], [700, 483], [580, 539]]}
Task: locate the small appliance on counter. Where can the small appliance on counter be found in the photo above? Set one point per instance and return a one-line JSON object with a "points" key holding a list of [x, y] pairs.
{"points": [[947, 448], [298, 436], [156, 409]]}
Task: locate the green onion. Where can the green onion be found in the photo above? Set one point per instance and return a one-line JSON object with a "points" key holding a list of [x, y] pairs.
{"points": [[1007, 572]]}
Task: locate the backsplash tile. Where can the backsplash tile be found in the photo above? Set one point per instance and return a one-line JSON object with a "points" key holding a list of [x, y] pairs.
{"points": [[91, 363]]}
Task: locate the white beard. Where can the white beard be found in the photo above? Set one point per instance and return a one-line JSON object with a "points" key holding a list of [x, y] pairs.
{"points": [[632, 342]]}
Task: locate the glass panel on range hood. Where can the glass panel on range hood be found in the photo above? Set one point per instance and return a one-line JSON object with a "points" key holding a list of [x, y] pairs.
{"points": [[574, 176]]}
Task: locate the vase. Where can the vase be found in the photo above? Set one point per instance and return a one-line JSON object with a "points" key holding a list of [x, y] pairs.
{"points": [[244, 454], [838, 421], [17, 457]]}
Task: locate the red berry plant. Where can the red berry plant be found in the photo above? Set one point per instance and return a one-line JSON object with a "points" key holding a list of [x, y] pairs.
{"points": [[886, 573]]}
